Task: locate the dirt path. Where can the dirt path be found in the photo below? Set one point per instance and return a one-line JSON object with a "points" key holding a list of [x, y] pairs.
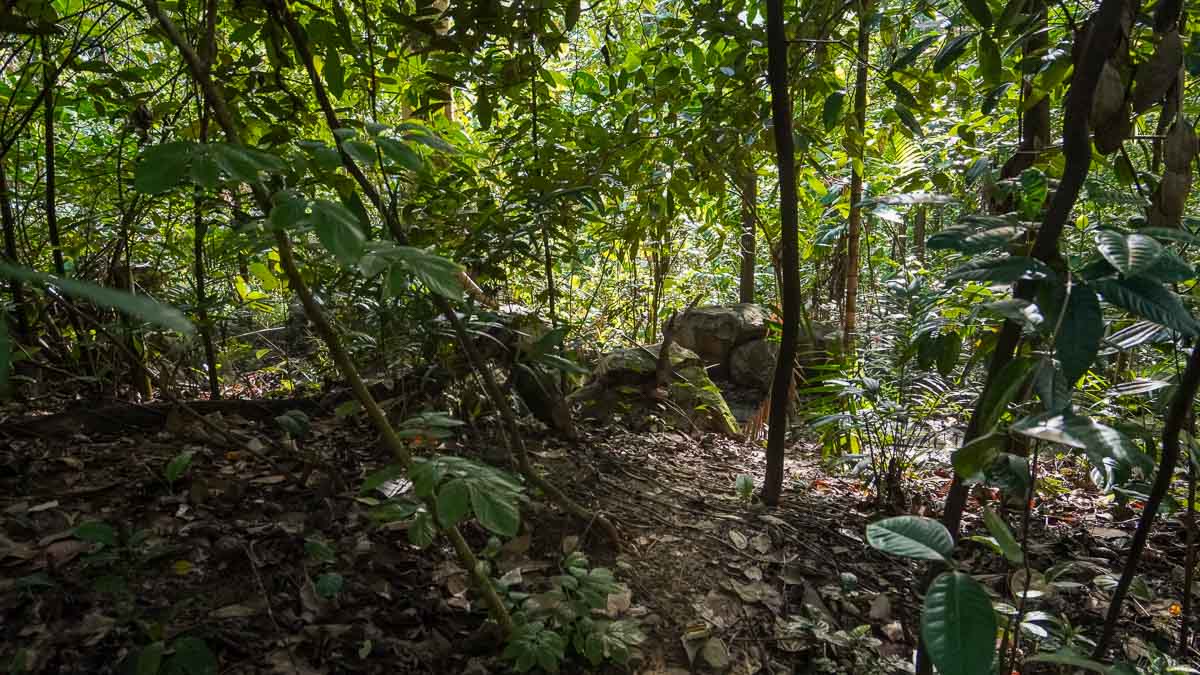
{"points": [[275, 577]]}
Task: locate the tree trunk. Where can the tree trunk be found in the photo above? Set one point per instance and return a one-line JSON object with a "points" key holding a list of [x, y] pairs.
{"points": [[850, 309], [10, 255], [919, 233], [60, 267], [781, 113], [749, 204]]}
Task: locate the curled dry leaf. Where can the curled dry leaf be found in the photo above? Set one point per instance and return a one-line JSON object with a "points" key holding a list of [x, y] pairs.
{"points": [[1110, 94], [1112, 132], [1156, 75], [1167, 203], [1181, 146]]}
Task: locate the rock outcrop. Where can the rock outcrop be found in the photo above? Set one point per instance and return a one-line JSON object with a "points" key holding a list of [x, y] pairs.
{"points": [[623, 384]]}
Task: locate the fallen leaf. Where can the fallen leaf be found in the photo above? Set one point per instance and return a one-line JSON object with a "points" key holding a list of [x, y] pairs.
{"points": [[739, 540], [715, 653]]}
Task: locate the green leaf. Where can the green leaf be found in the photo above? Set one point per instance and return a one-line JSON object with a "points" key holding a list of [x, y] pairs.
{"points": [[453, 502], [378, 478], [360, 151], [1171, 234], [442, 276], [978, 9], [1132, 255], [949, 346], [495, 509], [1004, 537], [1017, 309], [421, 531], [193, 657], [1080, 334], [909, 120], [1148, 300], [138, 306], [968, 240], [334, 73], [400, 153], [244, 164], [950, 52], [1008, 472], [162, 167], [1077, 431], [958, 625], [319, 551], [96, 532], [1002, 391], [1005, 270], [911, 537], [990, 65], [1052, 387], [178, 466], [150, 658], [972, 460], [832, 111], [338, 230], [329, 584], [910, 56], [902, 94]]}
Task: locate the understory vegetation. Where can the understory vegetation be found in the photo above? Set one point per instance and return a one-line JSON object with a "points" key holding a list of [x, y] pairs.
{"points": [[574, 336]]}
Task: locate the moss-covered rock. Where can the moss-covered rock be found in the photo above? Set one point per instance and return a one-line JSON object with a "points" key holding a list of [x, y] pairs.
{"points": [[623, 384]]}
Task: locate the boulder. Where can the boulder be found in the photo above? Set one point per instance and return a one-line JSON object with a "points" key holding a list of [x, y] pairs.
{"points": [[623, 384], [713, 331], [752, 364]]}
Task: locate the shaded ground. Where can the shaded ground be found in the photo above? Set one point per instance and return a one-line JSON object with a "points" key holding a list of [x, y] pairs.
{"points": [[238, 554]]}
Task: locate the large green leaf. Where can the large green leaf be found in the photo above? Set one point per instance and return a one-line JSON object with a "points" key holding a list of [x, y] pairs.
{"points": [[911, 537], [242, 163], [497, 510], [162, 167], [990, 65], [400, 153], [334, 72], [139, 306], [910, 55], [1149, 300], [453, 502], [193, 657], [1079, 336], [441, 275], [972, 460], [338, 229], [1003, 536], [969, 240], [832, 111], [978, 9], [1131, 254], [1100, 441], [958, 625], [1004, 270], [950, 52], [1002, 391]]}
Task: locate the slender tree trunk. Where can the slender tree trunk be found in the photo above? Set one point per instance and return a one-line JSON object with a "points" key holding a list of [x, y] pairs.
{"points": [[207, 51], [10, 254], [850, 319], [60, 267], [781, 114], [919, 233], [749, 201]]}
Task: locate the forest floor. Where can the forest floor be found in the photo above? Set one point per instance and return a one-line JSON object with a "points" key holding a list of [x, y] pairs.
{"points": [[234, 551]]}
